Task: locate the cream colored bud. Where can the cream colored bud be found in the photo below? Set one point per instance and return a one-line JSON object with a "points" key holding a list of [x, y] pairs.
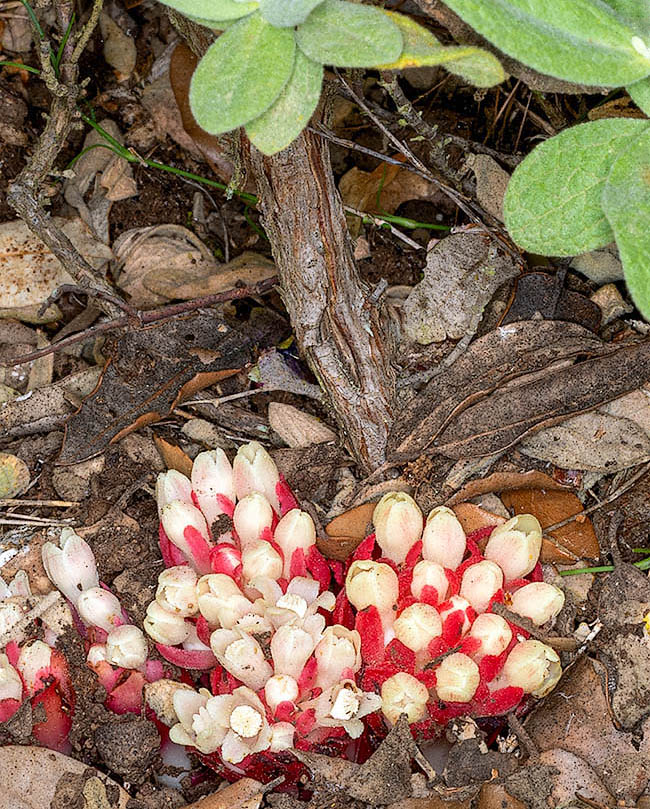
{"points": [[126, 646], [172, 485], [291, 647], [534, 667], [494, 633], [261, 560], [398, 525], [457, 678], [280, 688], [99, 607], [417, 626], [457, 603], [403, 694], [372, 584], [242, 656], [253, 514], [221, 602], [443, 539], [176, 517], [539, 601], [70, 566], [96, 654], [176, 590], [431, 574], [34, 657], [295, 530], [339, 649], [165, 627], [212, 477], [255, 471], [480, 582], [11, 686], [515, 546]]}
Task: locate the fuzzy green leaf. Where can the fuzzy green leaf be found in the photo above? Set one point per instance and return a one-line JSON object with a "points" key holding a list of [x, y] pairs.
{"points": [[241, 74], [212, 10], [553, 201], [640, 94], [420, 48], [349, 35], [634, 12], [583, 41], [626, 202], [287, 13], [274, 130]]}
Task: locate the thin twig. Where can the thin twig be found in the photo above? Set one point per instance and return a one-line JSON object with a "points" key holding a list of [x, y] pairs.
{"points": [[150, 316]]}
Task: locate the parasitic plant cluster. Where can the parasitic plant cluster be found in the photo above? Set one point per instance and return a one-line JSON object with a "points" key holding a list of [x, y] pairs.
{"points": [[282, 649]]}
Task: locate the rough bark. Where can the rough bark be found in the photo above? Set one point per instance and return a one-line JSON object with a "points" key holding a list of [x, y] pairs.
{"points": [[340, 330]]}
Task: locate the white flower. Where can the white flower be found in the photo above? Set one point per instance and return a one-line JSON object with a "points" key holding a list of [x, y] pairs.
{"points": [[99, 607], [253, 514], [177, 590], [515, 546], [254, 471], [338, 650], [241, 655], [443, 539], [126, 646], [221, 602], [165, 627], [212, 482], [233, 723], [71, 567], [296, 530], [398, 525], [11, 686], [344, 705]]}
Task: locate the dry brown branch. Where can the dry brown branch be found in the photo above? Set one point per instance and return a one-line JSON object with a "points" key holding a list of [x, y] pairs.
{"points": [[26, 194]]}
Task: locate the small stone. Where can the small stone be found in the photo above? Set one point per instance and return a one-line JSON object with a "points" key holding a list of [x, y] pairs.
{"points": [[611, 303], [128, 746]]}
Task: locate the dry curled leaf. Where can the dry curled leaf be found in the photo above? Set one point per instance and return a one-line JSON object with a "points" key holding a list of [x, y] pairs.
{"points": [[462, 273], [346, 531], [246, 793], [173, 456]]}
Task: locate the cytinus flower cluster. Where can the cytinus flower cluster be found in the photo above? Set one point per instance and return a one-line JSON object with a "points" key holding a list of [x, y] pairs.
{"points": [[291, 650], [279, 648]]}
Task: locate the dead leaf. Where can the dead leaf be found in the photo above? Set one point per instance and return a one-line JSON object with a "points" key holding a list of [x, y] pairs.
{"points": [[608, 439], [578, 715], [491, 183], [473, 517], [248, 268], [556, 778], [29, 272], [214, 149], [611, 303], [173, 456], [518, 410], [550, 507], [545, 294], [246, 793], [504, 482], [346, 531], [384, 189], [38, 778], [110, 175], [494, 796], [151, 370], [297, 428], [462, 273], [42, 369], [161, 257], [17, 33], [601, 266], [14, 475], [119, 48], [488, 364]]}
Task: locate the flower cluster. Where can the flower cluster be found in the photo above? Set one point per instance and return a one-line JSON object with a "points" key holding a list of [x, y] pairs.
{"points": [[298, 651]]}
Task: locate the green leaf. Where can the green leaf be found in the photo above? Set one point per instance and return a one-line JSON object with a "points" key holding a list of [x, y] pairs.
{"points": [[287, 13], [241, 74], [634, 12], [582, 41], [420, 48], [640, 94], [553, 200], [626, 202], [206, 10], [349, 35], [289, 115]]}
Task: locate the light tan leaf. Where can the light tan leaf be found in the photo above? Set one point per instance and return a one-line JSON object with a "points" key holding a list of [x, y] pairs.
{"points": [[491, 183], [119, 47], [246, 793], [297, 428], [613, 437], [384, 189], [29, 272], [173, 456], [14, 475], [32, 776]]}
